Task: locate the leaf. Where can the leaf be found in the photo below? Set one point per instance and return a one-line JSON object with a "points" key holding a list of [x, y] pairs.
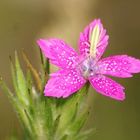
{"points": [[21, 83], [30, 121], [47, 66], [56, 124], [15, 102], [84, 135], [76, 126], [14, 76], [64, 137], [34, 71], [20, 76], [14, 71], [69, 110], [48, 116], [70, 107], [8, 92], [29, 81], [45, 63], [44, 117]]}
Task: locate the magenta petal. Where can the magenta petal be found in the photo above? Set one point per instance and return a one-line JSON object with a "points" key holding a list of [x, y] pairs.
{"points": [[119, 66], [84, 41], [107, 87], [59, 52], [64, 83]]}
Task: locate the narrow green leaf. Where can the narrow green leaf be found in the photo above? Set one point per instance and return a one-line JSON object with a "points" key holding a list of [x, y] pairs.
{"points": [[44, 117], [14, 77], [45, 63], [8, 92], [74, 115], [64, 137], [26, 121], [68, 113], [45, 69], [41, 57], [21, 82], [29, 81], [78, 124], [34, 71], [85, 135], [55, 124], [70, 107], [48, 116], [30, 121], [15, 102], [20, 76], [47, 66]]}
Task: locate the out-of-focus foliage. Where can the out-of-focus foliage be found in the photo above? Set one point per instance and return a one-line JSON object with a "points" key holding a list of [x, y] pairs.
{"points": [[44, 118]]}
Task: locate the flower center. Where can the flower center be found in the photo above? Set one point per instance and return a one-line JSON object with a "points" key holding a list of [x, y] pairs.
{"points": [[88, 67]]}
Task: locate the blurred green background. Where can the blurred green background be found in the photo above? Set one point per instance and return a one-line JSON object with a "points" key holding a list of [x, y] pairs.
{"points": [[22, 22]]}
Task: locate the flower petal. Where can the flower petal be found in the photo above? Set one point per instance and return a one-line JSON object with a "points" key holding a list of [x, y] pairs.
{"points": [[85, 40], [119, 66], [107, 87], [64, 83], [58, 52]]}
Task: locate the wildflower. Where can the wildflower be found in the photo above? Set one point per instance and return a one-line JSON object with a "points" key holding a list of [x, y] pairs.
{"points": [[76, 69]]}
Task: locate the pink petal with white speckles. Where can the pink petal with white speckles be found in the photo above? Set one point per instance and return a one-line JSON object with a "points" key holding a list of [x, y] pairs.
{"points": [[119, 66], [84, 43], [64, 83], [59, 52], [107, 87]]}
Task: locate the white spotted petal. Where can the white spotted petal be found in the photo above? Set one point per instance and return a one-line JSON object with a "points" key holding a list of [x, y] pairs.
{"points": [[107, 87], [93, 40], [64, 83], [119, 66], [59, 52]]}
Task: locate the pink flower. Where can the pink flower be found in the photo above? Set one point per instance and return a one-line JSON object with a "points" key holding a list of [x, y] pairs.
{"points": [[76, 69]]}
